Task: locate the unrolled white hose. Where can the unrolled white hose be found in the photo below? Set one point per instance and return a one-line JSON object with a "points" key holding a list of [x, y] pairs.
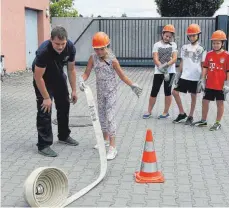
{"points": [[48, 187], [101, 145]]}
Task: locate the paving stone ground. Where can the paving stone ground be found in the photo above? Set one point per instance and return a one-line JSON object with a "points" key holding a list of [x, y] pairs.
{"points": [[194, 161]]}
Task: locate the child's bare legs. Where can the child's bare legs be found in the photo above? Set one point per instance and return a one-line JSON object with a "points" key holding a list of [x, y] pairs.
{"points": [[220, 109], [112, 152], [106, 140], [176, 95], [168, 101], [193, 104], [106, 136], [157, 82], [152, 101], [168, 96], [205, 107], [112, 141]]}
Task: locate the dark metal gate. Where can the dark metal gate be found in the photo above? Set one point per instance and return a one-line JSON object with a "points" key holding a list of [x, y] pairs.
{"points": [[132, 39]]}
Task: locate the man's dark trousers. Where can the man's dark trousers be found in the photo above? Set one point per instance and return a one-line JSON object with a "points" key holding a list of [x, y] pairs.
{"points": [[59, 93]]}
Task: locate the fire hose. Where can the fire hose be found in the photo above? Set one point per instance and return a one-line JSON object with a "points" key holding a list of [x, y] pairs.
{"points": [[48, 186]]}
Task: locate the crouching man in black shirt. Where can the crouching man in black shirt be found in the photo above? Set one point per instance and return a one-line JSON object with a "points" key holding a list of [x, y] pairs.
{"points": [[50, 82]]}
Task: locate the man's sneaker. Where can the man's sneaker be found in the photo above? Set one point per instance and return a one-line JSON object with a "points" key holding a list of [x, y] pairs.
{"points": [[189, 121], [147, 115], [112, 153], [200, 123], [215, 127], [180, 118], [107, 144], [48, 152], [69, 141], [163, 116]]}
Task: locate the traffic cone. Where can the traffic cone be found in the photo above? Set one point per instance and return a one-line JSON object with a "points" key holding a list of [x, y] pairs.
{"points": [[149, 172]]}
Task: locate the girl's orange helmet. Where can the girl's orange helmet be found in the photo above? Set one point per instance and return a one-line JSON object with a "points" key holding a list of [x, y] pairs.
{"points": [[219, 35], [169, 28], [100, 40], [193, 29]]}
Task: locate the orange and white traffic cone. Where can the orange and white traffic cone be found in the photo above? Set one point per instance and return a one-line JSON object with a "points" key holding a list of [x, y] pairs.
{"points": [[149, 172]]}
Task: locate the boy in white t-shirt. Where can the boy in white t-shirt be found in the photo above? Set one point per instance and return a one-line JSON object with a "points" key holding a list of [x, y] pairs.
{"points": [[164, 56], [192, 57]]}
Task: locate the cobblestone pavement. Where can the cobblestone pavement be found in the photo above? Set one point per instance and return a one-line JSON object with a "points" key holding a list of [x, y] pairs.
{"points": [[194, 161]]}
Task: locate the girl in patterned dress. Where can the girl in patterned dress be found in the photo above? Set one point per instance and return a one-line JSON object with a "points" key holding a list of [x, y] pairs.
{"points": [[106, 66]]}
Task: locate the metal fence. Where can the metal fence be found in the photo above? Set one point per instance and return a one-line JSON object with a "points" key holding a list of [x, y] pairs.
{"points": [[132, 39]]}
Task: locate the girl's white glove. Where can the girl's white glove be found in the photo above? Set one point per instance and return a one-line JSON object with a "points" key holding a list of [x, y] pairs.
{"points": [[177, 78], [82, 83], [163, 68], [201, 85], [136, 89], [166, 76]]}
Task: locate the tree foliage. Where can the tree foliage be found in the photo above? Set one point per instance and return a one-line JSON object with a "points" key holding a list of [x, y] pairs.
{"points": [[62, 8], [124, 15], [188, 8]]}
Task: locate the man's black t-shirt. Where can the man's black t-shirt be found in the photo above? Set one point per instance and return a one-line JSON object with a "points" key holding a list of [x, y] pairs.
{"points": [[47, 57]]}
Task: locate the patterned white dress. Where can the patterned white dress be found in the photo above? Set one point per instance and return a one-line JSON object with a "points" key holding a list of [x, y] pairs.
{"points": [[106, 84]]}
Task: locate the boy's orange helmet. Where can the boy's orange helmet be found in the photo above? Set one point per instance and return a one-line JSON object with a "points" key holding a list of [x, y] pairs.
{"points": [[169, 28], [193, 29], [100, 40], [219, 35]]}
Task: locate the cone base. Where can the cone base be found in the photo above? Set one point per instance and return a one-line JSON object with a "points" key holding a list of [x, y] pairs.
{"points": [[156, 179]]}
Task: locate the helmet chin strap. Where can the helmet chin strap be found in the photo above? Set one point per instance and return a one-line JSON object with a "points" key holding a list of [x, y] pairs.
{"points": [[163, 39], [193, 43], [220, 47], [167, 42], [103, 58]]}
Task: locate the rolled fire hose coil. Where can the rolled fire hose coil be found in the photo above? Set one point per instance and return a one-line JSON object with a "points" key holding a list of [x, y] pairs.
{"points": [[46, 187]]}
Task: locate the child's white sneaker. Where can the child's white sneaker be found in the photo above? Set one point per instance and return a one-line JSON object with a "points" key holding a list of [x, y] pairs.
{"points": [[107, 144], [112, 152]]}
